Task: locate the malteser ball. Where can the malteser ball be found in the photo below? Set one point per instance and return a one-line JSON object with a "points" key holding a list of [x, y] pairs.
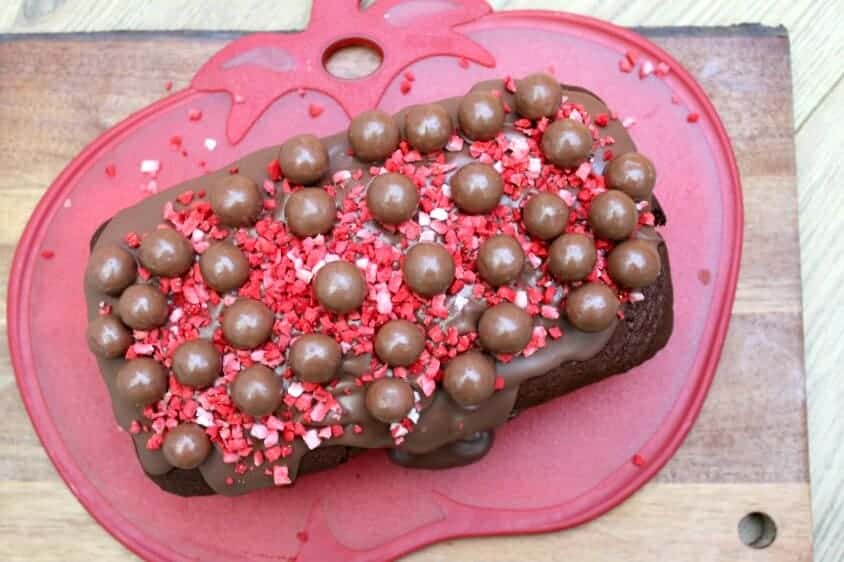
{"points": [[481, 115], [256, 390], [142, 307], [500, 260], [111, 269], [166, 253], [224, 267], [389, 399], [236, 200], [399, 343], [303, 159], [477, 188], [571, 257], [428, 269], [315, 358], [374, 135], [186, 446], [469, 378], [197, 363], [538, 95], [545, 216], [591, 307], [428, 127], [141, 382], [613, 215], [108, 337], [567, 143], [340, 287], [633, 173], [634, 264], [310, 211], [505, 328], [392, 198], [247, 323]]}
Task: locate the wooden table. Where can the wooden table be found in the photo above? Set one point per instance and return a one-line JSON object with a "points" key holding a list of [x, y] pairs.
{"points": [[36, 510]]}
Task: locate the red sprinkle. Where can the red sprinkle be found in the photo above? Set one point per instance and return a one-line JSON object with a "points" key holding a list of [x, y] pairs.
{"points": [[48, 254], [234, 170], [693, 117], [638, 460], [274, 170], [194, 114], [602, 119], [168, 85], [463, 62], [315, 110], [405, 87], [302, 536], [111, 170], [625, 65], [409, 76]]}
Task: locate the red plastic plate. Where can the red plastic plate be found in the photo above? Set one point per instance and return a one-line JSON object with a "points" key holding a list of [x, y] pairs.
{"points": [[553, 467]]}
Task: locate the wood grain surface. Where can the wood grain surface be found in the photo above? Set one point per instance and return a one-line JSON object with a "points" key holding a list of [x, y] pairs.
{"points": [[746, 453]]}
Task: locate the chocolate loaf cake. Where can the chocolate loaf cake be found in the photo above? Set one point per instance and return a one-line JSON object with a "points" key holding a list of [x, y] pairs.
{"points": [[408, 284]]}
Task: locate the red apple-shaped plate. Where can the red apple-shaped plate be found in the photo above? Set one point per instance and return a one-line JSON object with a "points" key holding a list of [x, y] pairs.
{"points": [[553, 467]]}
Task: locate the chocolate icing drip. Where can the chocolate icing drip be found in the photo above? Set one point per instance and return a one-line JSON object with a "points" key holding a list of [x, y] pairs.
{"points": [[446, 434], [460, 453]]}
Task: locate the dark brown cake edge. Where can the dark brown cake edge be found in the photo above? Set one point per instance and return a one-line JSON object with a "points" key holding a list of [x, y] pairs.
{"points": [[643, 332]]}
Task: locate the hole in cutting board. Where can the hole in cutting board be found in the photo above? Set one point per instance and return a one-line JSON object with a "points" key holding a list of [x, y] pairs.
{"points": [[757, 530], [354, 57]]}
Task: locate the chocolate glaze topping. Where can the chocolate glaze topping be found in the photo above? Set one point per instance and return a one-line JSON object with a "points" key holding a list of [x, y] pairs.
{"points": [[447, 432], [108, 337], [111, 269], [166, 253], [428, 127], [303, 159], [373, 135], [310, 211]]}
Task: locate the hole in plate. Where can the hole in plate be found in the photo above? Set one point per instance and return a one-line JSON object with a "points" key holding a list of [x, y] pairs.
{"points": [[353, 57], [757, 530]]}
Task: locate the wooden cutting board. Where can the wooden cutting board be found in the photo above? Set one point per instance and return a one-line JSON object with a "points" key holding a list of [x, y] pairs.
{"points": [[747, 452]]}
